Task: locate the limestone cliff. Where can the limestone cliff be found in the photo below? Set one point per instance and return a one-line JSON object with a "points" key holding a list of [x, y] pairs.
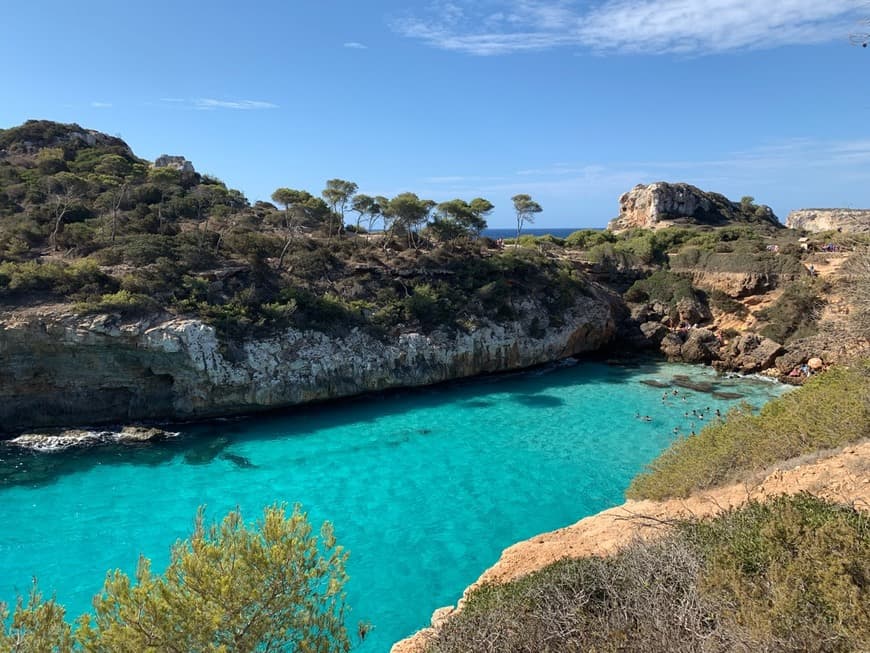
{"points": [[60, 369], [815, 220], [660, 205]]}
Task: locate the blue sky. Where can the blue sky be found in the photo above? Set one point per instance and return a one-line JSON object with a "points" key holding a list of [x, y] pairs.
{"points": [[571, 102]]}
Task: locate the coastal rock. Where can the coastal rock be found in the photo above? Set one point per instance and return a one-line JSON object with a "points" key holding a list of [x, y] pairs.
{"points": [[51, 441], [816, 220], [175, 162], [661, 204], [701, 346], [692, 346], [749, 353], [654, 332], [62, 369]]}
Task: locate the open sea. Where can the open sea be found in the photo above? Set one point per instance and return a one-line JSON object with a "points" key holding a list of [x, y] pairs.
{"points": [[558, 232], [424, 487]]}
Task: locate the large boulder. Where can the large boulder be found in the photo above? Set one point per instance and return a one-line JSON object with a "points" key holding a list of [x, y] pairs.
{"points": [[749, 353], [659, 205], [692, 346], [815, 220]]}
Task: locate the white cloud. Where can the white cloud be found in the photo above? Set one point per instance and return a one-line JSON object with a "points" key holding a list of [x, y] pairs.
{"points": [[355, 45], [211, 104], [101, 105], [690, 27], [243, 105]]}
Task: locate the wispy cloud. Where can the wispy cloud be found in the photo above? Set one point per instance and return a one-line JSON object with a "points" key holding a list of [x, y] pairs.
{"points": [[101, 105], [355, 45], [689, 27], [237, 105], [212, 104]]}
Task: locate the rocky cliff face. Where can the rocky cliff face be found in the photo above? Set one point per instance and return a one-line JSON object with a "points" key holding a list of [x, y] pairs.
{"points": [[815, 220], [660, 205], [59, 369]]}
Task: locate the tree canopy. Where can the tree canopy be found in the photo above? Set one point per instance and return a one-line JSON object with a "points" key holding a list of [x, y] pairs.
{"points": [[277, 586]]}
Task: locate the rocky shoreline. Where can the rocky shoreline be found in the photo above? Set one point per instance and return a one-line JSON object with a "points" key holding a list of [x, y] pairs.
{"points": [[62, 370]]}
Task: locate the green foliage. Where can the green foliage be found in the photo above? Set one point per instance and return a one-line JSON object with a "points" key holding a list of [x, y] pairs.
{"points": [[661, 286], [229, 587], [795, 313], [830, 410], [588, 238], [78, 279], [790, 575], [723, 302], [124, 302]]}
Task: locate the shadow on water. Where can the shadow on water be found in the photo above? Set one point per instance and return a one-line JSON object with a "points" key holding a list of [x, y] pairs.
{"points": [[539, 401], [204, 443]]}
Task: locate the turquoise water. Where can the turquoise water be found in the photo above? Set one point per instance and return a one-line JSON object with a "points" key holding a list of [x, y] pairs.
{"points": [[425, 488]]}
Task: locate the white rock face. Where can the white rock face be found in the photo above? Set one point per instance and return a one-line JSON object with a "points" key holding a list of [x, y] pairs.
{"points": [[816, 220], [662, 204], [62, 370]]}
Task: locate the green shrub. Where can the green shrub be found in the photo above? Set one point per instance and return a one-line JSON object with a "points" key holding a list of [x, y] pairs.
{"points": [[794, 314], [789, 575], [661, 286], [723, 302], [588, 238], [830, 410], [123, 302]]}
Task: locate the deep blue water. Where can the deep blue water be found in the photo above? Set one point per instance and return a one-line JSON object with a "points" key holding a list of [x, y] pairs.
{"points": [[425, 487], [558, 232]]}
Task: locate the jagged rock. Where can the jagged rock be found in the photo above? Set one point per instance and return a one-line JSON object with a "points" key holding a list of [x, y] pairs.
{"points": [[51, 441], [815, 220], [62, 369], [654, 332], [175, 162], [441, 615], [692, 311], [662, 204], [749, 353], [672, 346], [701, 346], [790, 360]]}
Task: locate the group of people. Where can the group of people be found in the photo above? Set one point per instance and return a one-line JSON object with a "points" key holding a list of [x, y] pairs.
{"points": [[695, 414]]}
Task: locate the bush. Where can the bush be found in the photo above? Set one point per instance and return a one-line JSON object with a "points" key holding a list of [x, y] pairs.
{"points": [[830, 410], [725, 303], [123, 302], [789, 575], [230, 587], [792, 574], [794, 314], [661, 286]]}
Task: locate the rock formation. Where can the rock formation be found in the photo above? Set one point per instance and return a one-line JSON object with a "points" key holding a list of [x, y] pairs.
{"points": [[815, 220], [61, 370], [660, 205], [175, 162]]}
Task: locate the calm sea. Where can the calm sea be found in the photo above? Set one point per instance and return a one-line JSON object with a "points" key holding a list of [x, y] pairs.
{"points": [[424, 487]]}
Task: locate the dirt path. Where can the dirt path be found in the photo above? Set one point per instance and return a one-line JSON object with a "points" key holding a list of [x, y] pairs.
{"points": [[843, 476]]}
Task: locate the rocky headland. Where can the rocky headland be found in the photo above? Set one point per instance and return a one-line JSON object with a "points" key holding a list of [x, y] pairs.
{"points": [[819, 220], [662, 204]]}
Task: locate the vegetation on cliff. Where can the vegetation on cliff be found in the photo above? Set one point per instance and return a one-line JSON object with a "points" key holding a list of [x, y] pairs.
{"points": [[230, 587], [790, 574], [83, 219]]}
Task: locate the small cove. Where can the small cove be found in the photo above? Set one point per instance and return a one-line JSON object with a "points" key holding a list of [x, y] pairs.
{"points": [[424, 487]]}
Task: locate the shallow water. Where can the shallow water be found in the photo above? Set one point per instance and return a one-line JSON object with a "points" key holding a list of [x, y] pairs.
{"points": [[425, 487]]}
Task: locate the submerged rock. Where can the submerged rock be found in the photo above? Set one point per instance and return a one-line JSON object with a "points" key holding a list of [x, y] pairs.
{"points": [[47, 442]]}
